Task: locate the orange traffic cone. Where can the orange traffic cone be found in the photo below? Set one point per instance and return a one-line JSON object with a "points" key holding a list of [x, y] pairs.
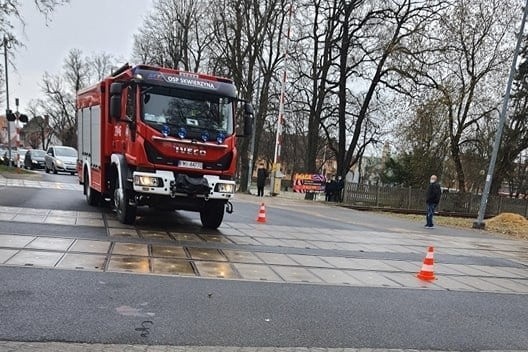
{"points": [[427, 273], [262, 214]]}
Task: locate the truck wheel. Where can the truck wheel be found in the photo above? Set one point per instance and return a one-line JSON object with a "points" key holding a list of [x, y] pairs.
{"points": [[126, 213], [212, 215], [92, 196]]}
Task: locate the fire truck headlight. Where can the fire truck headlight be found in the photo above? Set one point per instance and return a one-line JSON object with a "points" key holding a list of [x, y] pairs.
{"points": [[225, 188], [148, 181]]}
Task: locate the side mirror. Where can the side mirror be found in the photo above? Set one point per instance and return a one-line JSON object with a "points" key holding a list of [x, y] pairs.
{"points": [[116, 88], [248, 119], [115, 106]]}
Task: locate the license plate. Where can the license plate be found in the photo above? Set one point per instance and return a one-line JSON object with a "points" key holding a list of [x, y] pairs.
{"points": [[190, 164]]}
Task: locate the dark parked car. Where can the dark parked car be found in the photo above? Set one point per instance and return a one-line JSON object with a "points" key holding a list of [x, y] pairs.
{"points": [[35, 159]]}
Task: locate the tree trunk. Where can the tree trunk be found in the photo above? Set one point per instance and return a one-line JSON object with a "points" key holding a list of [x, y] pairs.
{"points": [[243, 149], [455, 154], [342, 168]]}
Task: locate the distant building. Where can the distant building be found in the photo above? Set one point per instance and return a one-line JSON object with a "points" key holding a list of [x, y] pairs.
{"points": [[370, 168], [14, 131]]}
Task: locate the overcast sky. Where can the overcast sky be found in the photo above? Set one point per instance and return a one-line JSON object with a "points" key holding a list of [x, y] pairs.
{"points": [[90, 25]]}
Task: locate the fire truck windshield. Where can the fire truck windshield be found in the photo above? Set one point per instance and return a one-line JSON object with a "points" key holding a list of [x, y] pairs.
{"points": [[171, 110]]}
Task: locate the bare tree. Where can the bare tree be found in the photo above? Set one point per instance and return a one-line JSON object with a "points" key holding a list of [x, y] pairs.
{"points": [[37, 131], [101, 65], [175, 34], [377, 65], [356, 51], [472, 52], [59, 105], [60, 91], [245, 48], [314, 57], [10, 14], [511, 165]]}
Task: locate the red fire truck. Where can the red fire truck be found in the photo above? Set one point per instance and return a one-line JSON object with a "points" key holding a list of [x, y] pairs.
{"points": [[163, 138]]}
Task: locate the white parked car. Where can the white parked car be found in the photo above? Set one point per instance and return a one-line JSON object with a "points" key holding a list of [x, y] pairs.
{"points": [[59, 158]]}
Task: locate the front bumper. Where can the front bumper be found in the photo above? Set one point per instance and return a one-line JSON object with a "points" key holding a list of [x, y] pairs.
{"points": [[166, 183], [38, 164], [66, 167]]}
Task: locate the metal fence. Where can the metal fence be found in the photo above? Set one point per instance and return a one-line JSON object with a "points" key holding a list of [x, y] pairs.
{"points": [[413, 199]]}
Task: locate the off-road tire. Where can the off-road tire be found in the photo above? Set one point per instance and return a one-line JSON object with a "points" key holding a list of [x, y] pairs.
{"points": [[212, 214], [93, 197], [126, 212]]}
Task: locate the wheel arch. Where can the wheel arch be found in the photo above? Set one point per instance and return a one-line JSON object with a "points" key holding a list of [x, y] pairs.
{"points": [[118, 167]]}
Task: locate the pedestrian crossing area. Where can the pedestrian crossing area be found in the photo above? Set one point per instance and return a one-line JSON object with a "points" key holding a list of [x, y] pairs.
{"points": [[33, 183], [263, 253]]}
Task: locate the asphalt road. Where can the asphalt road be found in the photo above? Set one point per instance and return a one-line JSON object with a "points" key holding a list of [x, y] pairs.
{"points": [[46, 305], [243, 211], [64, 177], [279, 212], [83, 306]]}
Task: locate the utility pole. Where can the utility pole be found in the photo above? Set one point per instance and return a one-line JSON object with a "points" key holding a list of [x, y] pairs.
{"points": [[17, 124], [479, 223], [6, 43]]}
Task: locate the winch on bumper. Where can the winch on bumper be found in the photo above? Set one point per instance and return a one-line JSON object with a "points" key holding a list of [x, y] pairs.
{"points": [[166, 183]]}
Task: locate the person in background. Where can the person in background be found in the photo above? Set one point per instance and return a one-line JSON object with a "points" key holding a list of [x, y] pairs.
{"points": [[327, 189], [17, 159], [331, 190], [432, 198], [27, 160], [262, 175], [340, 188]]}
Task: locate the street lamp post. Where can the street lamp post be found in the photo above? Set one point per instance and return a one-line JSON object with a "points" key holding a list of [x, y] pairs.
{"points": [[6, 43], [479, 223]]}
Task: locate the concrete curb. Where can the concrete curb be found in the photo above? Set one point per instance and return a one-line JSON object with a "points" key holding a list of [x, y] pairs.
{"points": [[14, 346]]}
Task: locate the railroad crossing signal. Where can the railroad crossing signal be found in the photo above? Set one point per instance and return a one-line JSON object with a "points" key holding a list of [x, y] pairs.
{"points": [[12, 116]]}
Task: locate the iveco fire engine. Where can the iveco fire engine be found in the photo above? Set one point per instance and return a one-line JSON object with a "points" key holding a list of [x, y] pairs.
{"points": [[163, 138]]}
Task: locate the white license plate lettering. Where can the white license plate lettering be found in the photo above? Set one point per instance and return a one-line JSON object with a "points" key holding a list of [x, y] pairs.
{"points": [[190, 164]]}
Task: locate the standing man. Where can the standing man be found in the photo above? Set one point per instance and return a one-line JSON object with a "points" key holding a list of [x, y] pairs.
{"points": [[432, 198], [340, 189], [262, 175]]}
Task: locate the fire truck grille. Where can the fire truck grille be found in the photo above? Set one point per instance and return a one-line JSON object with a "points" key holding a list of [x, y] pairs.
{"points": [[156, 157]]}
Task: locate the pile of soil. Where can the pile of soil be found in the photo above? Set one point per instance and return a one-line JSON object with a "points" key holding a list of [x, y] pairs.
{"points": [[509, 223]]}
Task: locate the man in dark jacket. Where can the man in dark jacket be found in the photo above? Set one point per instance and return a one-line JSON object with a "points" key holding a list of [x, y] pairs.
{"points": [[331, 190], [340, 189], [262, 175], [432, 199]]}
